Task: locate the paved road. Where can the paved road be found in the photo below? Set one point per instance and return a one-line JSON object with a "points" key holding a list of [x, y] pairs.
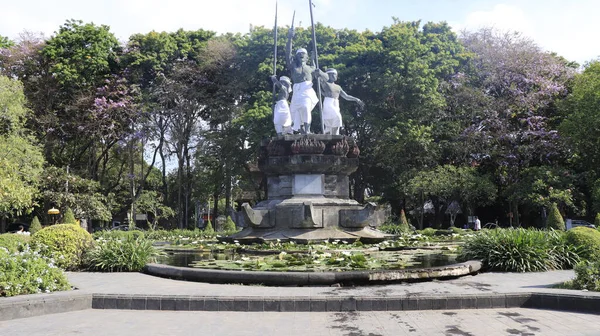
{"points": [[486, 322]]}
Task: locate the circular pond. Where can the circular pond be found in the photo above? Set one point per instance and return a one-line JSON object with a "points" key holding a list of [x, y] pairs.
{"points": [[309, 260]]}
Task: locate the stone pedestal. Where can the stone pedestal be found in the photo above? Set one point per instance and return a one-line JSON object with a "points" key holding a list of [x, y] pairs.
{"points": [[308, 193]]}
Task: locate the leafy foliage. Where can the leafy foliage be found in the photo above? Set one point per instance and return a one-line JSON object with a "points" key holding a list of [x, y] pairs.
{"points": [[521, 250], [28, 272], [587, 275], [5, 42], [69, 217], [448, 183], [151, 203], [229, 225], [129, 254], [22, 160], [35, 225], [64, 243], [13, 242], [208, 229], [555, 220], [83, 196], [587, 239]]}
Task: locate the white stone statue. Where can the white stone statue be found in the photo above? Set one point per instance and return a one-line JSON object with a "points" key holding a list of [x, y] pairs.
{"points": [[282, 118], [304, 98], [332, 118]]}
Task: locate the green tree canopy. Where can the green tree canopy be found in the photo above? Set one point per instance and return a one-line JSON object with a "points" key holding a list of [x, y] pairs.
{"points": [[22, 160]]}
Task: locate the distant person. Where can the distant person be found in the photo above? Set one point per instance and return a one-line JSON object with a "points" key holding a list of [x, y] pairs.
{"points": [[477, 226], [22, 231]]}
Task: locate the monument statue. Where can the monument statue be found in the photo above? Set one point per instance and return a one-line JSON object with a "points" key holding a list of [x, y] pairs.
{"points": [[281, 114], [304, 98], [308, 175], [332, 118]]}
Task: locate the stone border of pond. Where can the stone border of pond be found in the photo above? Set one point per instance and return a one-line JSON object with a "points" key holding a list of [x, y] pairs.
{"points": [[272, 278]]}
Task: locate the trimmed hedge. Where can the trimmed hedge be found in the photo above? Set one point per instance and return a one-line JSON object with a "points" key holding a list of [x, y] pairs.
{"points": [[35, 225], [229, 225], [555, 220], [587, 239], [69, 217], [64, 243]]}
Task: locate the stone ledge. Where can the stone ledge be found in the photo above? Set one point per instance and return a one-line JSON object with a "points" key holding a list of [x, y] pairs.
{"points": [[42, 304], [311, 278]]}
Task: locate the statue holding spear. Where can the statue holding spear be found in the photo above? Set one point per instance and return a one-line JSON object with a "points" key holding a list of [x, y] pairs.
{"points": [[281, 90], [304, 98]]}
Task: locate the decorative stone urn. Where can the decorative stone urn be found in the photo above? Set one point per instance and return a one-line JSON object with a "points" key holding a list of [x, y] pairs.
{"points": [[308, 193]]}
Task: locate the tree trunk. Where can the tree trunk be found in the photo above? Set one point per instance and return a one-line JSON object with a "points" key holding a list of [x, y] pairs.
{"points": [[132, 184], [164, 172], [215, 207], [227, 188], [180, 164]]}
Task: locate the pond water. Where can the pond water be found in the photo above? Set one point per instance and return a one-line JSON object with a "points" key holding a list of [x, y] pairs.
{"points": [[324, 261]]}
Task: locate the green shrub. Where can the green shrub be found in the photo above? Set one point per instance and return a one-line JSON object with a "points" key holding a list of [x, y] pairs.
{"points": [[520, 250], [393, 229], [229, 225], [129, 254], [69, 217], [35, 225], [587, 239], [28, 272], [587, 276], [555, 220], [118, 234], [208, 229], [430, 232], [65, 243], [565, 254], [457, 230], [12, 242]]}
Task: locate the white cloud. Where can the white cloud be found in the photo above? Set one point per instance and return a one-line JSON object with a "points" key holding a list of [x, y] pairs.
{"points": [[502, 17], [569, 29]]}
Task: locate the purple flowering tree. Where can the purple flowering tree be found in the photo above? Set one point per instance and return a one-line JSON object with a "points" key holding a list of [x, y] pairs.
{"points": [[507, 94]]}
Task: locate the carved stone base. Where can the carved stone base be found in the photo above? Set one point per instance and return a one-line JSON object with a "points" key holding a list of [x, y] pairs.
{"points": [[308, 194]]}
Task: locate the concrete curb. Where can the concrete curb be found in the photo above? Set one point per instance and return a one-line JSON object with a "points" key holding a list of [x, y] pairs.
{"points": [[311, 278], [42, 304], [35, 305], [561, 302]]}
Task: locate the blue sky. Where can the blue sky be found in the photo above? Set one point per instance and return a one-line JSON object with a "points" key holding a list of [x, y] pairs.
{"points": [[569, 28]]}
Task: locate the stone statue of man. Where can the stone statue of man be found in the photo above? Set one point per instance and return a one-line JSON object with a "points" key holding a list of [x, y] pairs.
{"points": [[281, 113], [332, 118], [304, 98]]}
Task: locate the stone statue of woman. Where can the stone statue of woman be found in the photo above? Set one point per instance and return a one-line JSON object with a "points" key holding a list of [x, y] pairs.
{"points": [[304, 98], [332, 118], [282, 118]]}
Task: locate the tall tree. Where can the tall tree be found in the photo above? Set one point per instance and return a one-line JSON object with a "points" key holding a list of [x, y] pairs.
{"points": [[22, 160], [513, 86]]}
